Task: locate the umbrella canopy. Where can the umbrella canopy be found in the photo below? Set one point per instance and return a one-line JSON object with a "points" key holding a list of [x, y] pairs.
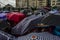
{"points": [[15, 16], [3, 16], [53, 11], [26, 24], [52, 20]]}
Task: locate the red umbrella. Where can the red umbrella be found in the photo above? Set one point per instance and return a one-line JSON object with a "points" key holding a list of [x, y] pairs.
{"points": [[15, 16]]}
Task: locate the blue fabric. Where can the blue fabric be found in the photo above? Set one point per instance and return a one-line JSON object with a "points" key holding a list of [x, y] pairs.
{"points": [[57, 31], [57, 28], [53, 11], [3, 16]]}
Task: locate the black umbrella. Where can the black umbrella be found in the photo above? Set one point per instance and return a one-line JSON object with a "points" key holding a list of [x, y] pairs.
{"points": [[52, 20]]}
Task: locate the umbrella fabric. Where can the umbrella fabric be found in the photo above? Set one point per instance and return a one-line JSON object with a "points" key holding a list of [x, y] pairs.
{"points": [[52, 20], [5, 36], [3, 25], [56, 31], [3, 16], [26, 24], [15, 17], [53, 11]]}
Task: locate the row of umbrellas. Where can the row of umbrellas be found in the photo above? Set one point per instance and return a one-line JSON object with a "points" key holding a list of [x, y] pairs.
{"points": [[48, 19]]}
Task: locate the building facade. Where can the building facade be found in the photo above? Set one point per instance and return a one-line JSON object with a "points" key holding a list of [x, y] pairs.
{"points": [[31, 3], [58, 3], [41, 3], [55, 3]]}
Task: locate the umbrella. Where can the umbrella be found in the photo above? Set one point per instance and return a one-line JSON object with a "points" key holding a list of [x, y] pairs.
{"points": [[15, 16], [26, 24], [3, 16], [52, 20], [53, 11]]}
